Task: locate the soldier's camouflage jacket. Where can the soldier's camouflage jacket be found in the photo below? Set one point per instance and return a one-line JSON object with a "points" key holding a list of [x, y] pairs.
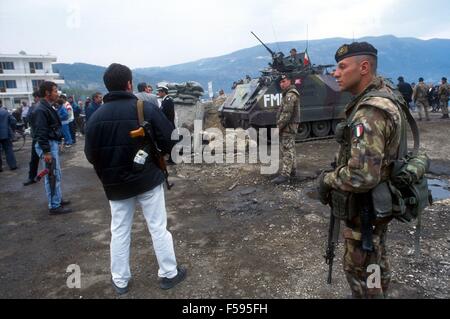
{"points": [[444, 92], [420, 92], [287, 115], [372, 143]]}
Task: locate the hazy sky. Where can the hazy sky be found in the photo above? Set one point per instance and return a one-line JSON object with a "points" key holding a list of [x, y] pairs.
{"points": [[166, 32]]}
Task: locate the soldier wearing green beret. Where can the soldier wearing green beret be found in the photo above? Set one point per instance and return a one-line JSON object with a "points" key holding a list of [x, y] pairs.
{"points": [[369, 138], [287, 123]]}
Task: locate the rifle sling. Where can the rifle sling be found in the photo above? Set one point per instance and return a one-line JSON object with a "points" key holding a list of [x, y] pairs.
{"points": [[403, 150], [140, 112]]}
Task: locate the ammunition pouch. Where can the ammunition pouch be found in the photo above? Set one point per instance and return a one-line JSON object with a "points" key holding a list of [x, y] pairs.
{"points": [[382, 200], [343, 204]]}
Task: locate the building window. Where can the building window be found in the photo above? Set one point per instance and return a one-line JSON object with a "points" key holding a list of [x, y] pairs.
{"points": [[11, 84], [36, 84], [7, 84], [7, 65], [36, 66]]}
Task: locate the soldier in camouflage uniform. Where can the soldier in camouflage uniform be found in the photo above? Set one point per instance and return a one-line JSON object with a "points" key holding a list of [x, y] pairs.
{"points": [[287, 123], [444, 93], [370, 141], [420, 98]]}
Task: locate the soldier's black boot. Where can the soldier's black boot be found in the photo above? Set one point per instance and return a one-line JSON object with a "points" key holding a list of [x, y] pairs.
{"points": [[445, 116], [280, 180], [293, 173]]}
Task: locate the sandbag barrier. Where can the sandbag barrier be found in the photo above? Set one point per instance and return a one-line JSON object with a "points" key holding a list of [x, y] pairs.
{"points": [[186, 93]]}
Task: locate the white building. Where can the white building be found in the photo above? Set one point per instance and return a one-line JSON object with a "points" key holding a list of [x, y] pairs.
{"points": [[21, 74]]}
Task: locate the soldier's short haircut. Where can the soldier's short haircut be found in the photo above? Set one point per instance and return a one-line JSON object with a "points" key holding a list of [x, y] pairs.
{"points": [[116, 77], [95, 95], [373, 61], [36, 93], [46, 86]]}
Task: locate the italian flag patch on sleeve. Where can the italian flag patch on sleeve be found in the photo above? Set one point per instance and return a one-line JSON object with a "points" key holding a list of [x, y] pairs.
{"points": [[358, 130]]}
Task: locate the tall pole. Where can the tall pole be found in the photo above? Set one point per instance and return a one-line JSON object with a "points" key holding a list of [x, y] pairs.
{"points": [[307, 36]]}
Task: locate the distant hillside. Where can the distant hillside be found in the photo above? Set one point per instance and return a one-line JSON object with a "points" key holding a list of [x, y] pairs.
{"points": [[410, 57], [86, 76]]}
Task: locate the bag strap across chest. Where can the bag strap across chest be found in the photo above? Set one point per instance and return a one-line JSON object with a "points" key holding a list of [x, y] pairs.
{"points": [[405, 114]]}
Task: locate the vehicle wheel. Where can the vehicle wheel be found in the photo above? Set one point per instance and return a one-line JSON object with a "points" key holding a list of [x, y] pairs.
{"points": [[304, 130], [321, 128]]}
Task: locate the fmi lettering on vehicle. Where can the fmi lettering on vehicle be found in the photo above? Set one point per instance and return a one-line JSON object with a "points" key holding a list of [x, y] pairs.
{"points": [[272, 100]]}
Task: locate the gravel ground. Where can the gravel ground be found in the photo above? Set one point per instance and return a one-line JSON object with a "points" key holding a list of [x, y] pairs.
{"points": [[238, 235]]}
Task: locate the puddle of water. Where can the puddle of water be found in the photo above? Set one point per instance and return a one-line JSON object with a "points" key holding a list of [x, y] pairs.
{"points": [[439, 188], [313, 195]]}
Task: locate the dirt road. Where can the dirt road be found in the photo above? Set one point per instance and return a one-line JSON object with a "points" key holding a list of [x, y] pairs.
{"points": [[238, 235]]}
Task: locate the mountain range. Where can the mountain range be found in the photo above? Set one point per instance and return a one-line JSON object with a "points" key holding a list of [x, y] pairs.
{"points": [[409, 57]]}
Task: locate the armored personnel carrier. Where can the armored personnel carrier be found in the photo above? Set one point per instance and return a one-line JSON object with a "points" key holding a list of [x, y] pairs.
{"points": [[254, 102]]}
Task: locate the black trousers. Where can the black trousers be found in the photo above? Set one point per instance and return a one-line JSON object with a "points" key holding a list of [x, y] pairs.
{"points": [[34, 162], [73, 128]]}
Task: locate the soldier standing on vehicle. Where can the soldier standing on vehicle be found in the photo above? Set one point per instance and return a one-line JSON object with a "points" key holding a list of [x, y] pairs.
{"points": [[420, 97], [444, 93], [287, 123], [369, 138], [293, 57]]}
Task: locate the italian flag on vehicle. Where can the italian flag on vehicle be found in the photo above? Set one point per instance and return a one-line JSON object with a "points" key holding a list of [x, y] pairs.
{"points": [[306, 58], [358, 131]]}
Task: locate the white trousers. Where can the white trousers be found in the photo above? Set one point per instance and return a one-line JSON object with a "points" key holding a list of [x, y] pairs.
{"points": [[122, 212]]}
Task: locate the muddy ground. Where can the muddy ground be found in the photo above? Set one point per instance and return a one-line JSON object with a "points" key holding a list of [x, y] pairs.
{"points": [[238, 235]]}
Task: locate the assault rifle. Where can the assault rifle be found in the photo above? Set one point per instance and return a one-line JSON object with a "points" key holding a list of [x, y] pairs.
{"points": [[333, 239], [145, 130], [333, 235]]}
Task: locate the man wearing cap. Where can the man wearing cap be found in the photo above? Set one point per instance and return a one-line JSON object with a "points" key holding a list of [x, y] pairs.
{"points": [[444, 93], [167, 105], [369, 138], [287, 123], [168, 108], [420, 97], [144, 93]]}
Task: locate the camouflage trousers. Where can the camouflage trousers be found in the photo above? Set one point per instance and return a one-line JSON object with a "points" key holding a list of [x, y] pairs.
{"points": [[422, 106], [444, 107], [288, 154], [359, 265]]}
